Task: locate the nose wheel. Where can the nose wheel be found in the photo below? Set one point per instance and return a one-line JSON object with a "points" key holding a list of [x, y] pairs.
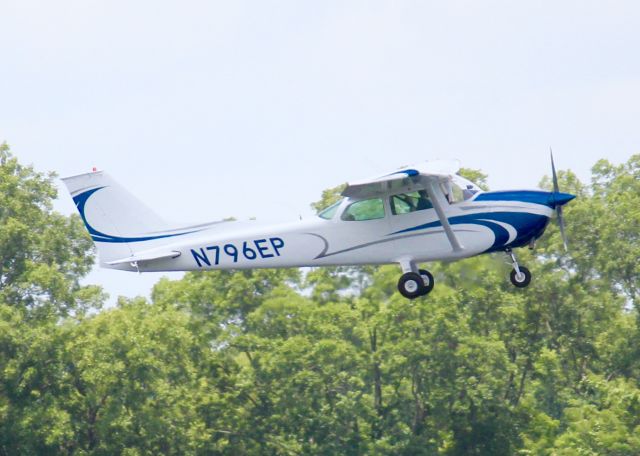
{"points": [[520, 276], [415, 284], [522, 279]]}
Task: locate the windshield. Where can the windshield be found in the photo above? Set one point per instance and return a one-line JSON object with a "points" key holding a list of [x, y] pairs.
{"points": [[463, 189], [330, 212]]}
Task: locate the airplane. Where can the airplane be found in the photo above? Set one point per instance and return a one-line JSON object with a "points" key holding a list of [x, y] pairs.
{"points": [[413, 215]]}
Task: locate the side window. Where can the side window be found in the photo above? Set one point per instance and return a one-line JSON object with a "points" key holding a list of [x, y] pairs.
{"points": [[364, 210], [405, 203]]}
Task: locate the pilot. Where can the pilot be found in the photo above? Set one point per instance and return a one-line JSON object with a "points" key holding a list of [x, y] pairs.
{"points": [[424, 202]]}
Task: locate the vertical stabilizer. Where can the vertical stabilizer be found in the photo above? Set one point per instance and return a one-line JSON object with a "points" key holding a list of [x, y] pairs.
{"points": [[118, 222]]}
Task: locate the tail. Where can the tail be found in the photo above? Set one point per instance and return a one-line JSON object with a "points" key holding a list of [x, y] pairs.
{"points": [[120, 225]]}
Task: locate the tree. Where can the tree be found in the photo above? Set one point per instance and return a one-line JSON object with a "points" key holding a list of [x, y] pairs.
{"points": [[131, 380], [42, 253], [43, 256]]}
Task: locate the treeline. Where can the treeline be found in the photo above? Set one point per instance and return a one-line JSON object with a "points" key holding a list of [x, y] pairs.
{"points": [[328, 362]]}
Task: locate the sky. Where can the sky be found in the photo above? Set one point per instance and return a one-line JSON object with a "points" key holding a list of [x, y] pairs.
{"points": [[211, 109]]}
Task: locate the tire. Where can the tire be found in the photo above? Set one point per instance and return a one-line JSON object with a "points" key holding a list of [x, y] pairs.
{"points": [[411, 285], [521, 282], [427, 278]]}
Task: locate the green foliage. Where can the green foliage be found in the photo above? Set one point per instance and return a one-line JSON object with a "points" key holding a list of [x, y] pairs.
{"points": [[329, 197], [476, 176], [131, 379], [327, 361], [42, 253]]}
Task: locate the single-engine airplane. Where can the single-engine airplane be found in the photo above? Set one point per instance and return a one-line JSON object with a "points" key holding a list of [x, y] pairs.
{"points": [[412, 215]]}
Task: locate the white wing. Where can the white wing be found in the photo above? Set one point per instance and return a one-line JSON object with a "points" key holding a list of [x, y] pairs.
{"points": [[425, 175], [384, 184]]}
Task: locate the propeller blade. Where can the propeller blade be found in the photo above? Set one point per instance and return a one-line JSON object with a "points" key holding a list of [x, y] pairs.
{"points": [[556, 190], [565, 242]]}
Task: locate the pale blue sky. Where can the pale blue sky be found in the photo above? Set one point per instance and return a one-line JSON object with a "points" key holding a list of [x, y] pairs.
{"points": [[209, 109]]}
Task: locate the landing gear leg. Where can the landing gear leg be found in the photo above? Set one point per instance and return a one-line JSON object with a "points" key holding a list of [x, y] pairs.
{"points": [[520, 276]]}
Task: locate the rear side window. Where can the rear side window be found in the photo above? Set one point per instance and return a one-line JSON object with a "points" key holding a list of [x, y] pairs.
{"points": [[405, 203], [370, 209]]}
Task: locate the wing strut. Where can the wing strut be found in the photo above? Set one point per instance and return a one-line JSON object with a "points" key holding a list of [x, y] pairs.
{"points": [[453, 239]]}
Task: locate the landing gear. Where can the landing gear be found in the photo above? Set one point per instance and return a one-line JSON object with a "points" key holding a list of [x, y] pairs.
{"points": [[520, 276], [414, 282], [411, 285], [427, 278], [522, 279]]}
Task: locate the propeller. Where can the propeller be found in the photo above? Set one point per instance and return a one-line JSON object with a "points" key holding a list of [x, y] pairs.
{"points": [[558, 204]]}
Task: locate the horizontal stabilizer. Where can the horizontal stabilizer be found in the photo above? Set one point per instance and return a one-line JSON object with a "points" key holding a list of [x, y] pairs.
{"points": [[145, 257]]}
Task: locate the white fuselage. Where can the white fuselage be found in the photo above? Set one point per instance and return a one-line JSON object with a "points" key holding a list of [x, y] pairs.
{"points": [[412, 215], [484, 223]]}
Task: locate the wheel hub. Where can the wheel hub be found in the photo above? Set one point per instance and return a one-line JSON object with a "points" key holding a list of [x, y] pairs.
{"points": [[411, 286]]}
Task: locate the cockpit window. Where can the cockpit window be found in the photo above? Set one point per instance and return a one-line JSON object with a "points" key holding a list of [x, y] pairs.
{"points": [[405, 203], [458, 189], [330, 212], [369, 209]]}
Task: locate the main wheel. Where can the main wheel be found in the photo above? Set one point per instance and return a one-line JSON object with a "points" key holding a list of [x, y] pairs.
{"points": [[411, 285], [427, 278], [521, 280]]}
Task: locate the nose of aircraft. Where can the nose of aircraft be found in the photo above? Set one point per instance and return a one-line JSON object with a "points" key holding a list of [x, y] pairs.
{"points": [[560, 199]]}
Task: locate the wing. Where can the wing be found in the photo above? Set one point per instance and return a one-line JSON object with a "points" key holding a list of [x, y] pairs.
{"points": [[426, 175], [376, 186]]}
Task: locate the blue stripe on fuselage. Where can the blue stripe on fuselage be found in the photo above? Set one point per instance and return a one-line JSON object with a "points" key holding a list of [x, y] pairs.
{"points": [[524, 196], [527, 226]]}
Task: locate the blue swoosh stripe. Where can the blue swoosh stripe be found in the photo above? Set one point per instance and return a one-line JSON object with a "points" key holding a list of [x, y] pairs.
{"points": [[408, 172], [527, 226], [97, 236], [549, 199]]}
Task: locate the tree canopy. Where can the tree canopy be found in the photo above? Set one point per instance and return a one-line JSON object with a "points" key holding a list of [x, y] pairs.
{"points": [[325, 361]]}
